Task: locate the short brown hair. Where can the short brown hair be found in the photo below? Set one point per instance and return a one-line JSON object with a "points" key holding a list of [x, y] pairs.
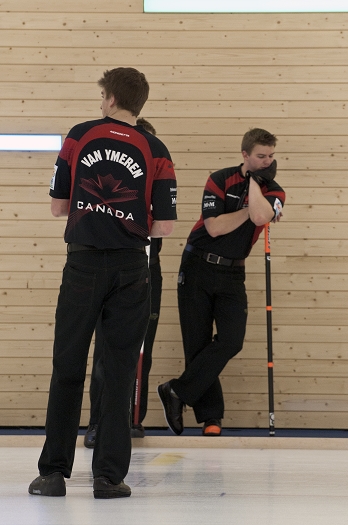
{"points": [[146, 125], [129, 87], [257, 136]]}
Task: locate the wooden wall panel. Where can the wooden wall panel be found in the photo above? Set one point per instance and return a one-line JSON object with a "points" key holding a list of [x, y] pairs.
{"points": [[209, 84], [42, 8]]}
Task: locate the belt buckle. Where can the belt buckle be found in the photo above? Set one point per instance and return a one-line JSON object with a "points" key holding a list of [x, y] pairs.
{"points": [[217, 258]]}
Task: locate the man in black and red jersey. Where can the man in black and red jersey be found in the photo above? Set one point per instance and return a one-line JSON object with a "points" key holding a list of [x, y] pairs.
{"points": [[237, 202], [97, 375], [116, 184]]}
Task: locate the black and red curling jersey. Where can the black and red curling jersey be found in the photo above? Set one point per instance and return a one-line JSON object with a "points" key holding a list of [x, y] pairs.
{"points": [[118, 178], [221, 195]]}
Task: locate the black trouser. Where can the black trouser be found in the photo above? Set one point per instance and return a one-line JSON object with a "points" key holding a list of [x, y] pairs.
{"points": [[97, 376], [116, 283], [207, 293]]}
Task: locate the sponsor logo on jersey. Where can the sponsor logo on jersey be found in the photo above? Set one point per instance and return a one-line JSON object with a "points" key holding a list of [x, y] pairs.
{"points": [[118, 133], [173, 190]]}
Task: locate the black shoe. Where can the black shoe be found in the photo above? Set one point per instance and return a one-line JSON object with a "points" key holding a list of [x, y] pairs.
{"points": [[173, 407], [104, 489], [212, 427], [51, 485], [89, 440], [137, 431]]}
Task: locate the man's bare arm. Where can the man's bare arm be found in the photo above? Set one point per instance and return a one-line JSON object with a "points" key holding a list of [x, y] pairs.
{"points": [[60, 207], [162, 228]]}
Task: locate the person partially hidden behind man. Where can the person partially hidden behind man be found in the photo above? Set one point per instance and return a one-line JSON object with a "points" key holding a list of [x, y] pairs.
{"points": [[116, 184], [237, 203]]}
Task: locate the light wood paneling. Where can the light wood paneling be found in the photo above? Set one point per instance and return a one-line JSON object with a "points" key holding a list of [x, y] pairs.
{"points": [[173, 39], [200, 126], [79, 7], [125, 13], [212, 78], [193, 57], [208, 109]]}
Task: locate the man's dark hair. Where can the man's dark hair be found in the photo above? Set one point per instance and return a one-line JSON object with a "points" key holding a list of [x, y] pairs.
{"points": [[146, 125], [129, 87], [257, 136]]}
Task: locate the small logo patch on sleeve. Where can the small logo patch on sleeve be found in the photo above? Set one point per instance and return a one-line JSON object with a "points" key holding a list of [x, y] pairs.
{"points": [[53, 179]]}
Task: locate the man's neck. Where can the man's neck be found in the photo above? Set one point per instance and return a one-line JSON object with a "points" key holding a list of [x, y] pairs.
{"points": [[243, 169], [123, 115]]}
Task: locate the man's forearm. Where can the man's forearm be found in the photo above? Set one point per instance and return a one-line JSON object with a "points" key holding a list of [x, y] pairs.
{"points": [[60, 207], [260, 210], [226, 223], [162, 228]]}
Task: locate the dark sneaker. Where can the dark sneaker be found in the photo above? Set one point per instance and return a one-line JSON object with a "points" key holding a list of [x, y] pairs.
{"points": [[91, 432], [173, 407], [104, 489], [137, 431], [212, 427], [51, 485]]}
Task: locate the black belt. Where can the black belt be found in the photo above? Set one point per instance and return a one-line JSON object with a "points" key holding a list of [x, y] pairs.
{"points": [[213, 258], [73, 247]]}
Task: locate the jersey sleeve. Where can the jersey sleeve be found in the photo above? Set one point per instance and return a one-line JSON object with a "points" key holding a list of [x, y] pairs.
{"points": [[60, 186], [163, 198], [213, 201], [275, 196]]}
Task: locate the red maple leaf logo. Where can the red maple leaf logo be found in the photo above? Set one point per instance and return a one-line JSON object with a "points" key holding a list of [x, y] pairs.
{"points": [[108, 189]]}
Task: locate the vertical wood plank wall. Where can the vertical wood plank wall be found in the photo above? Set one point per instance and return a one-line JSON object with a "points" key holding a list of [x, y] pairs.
{"points": [[212, 78]]}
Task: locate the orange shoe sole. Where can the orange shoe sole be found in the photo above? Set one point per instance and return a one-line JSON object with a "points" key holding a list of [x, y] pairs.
{"points": [[212, 430]]}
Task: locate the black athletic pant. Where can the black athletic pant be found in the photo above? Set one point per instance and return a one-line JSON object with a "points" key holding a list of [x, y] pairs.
{"points": [[115, 283], [97, 376], [207, 293]]}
